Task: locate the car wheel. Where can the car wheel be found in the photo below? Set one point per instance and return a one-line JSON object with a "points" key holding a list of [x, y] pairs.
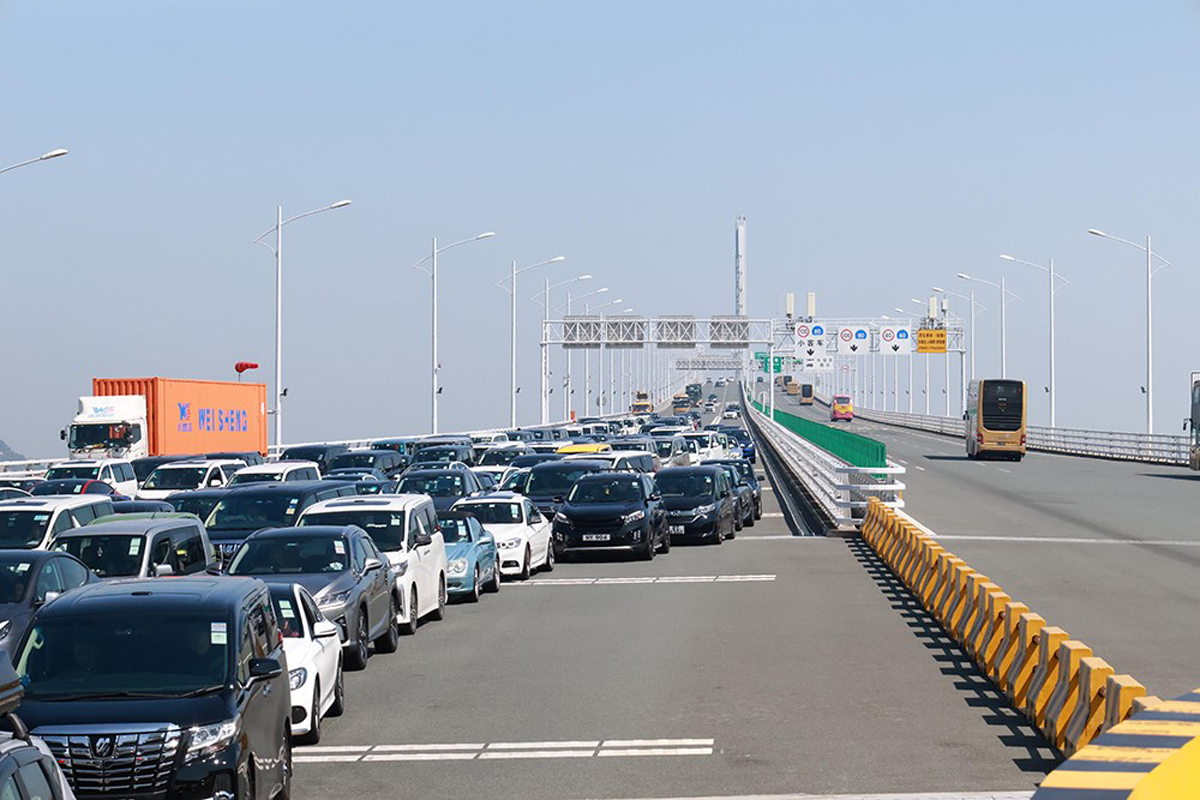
{"points": [[758, 510], [440, 611], [358, 655], [525, 570], [665, 545], [314, 732], [245, 789], [473, 597], [493, 585], [338, 706], [648, 551], [739, 520], [390, 640], [718, 534], [410, 627], [549, 565], [285, 769]]}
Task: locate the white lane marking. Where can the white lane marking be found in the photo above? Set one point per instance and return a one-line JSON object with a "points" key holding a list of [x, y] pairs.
{"points": [[415, 757], [492, 751], [734, 578], [657, 742], [1071, 540], [339, 749], [766, 488], [760, 537], [658, 751], [772, 514], [408, 748], [913, 796], [299, 759], [539, 745], [1002, 469], [650, 579], [902, 461], [494, 755], [687, 579], [920, 468]]}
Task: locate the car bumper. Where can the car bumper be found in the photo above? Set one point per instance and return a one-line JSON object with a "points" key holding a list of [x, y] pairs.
{"points": [[575, 540], [460, 584], [691, 528], [512, 562], [304, 706]]}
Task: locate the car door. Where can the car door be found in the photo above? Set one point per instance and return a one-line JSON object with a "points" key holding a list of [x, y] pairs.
{"points": [[381, 579], [71, 573], [328, 648], [162, 553], [188, 543], [420, 560], [49, 580], [367, 592], [539, 536]]}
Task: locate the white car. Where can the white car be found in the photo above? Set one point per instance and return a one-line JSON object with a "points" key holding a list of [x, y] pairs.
{"points": [[277, 471], [313, 647], [404, 528], [707, 446], [31, 523], [116, 472], [619, 460], [731, 413], [522, 534], [182, 476], [496, 459]]}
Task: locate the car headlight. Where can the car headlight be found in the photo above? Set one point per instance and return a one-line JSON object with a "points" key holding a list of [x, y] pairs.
{"points": [[334, 598], [457, 567], [297, 677], [708, 509], [205, 739], [509, 544], [633, 516]]}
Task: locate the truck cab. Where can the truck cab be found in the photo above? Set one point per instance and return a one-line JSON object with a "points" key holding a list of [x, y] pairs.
{"points": [[108, 427]]}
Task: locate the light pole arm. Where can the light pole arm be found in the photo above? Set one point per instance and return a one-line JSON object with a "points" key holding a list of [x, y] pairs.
{"points": [[500, 283], [43, 157], [270, 230], [417, 265]]}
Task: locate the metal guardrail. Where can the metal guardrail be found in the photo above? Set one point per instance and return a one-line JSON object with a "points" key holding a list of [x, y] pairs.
{"points": [[842, 490]]}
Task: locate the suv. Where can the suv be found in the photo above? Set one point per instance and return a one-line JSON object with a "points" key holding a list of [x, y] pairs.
{"points": [[142, 467], [612, 511], [180, 476], [322, 454], [388, 462], [140, 548], [699, 501], [404, 528], [277, 471], [29, 579], [187, 695], [116, 472], [445, 486], [29, 523], [273, 505]]}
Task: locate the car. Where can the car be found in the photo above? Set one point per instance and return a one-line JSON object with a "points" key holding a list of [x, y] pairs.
{"points": [[320, 454], [277, 471], [621, 461], [401, 446], [547, 446], [585, 447], [152, 547], [404, 528], [731, 413], [744, 515], [12, 493], [444, 486], [116, 472], [707, 444], [250, 458], [389, 462], [24, 483], [521, 436], [314, 656], [355, 474], [528, 460], [673, 450], [498, 458], [522, 534], [346, 574], [488, 481], [70, 486], [746, 475], [181, 683], [699, 502], [612, 511], [549, 484], [28, 770], [514, 480], [170, 513], [742, 437], [29, 579], [458, 448], [30, 523], [180, 476], [841, 408], [270, 505], [141, 506], [472, 560], [375, 487], [200, 502], [142, 467]]}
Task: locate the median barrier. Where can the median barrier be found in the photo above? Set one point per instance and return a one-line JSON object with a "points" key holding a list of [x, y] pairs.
{"points": [[1120, 693], [1066, 690], [1045, 675], [1019, 677], [993, 633], [1007, 650], [973, 635], [1088, 716]]}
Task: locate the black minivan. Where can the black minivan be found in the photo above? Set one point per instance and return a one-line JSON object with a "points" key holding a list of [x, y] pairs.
{"points": [[700, 503], [322, 454], [164, 688], [266, 505], [549, 483]]}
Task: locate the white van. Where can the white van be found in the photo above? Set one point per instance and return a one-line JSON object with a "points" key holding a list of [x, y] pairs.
{"points": [[404, 528], [31, 523], [116, 472], [277, 471], [182, 476]]}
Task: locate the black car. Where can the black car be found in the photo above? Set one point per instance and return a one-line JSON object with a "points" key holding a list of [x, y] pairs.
{"points": [[401, 446], [463, 445], [28, 770], [741, 490], [549, 484], [444, 486], [29, 579], [743, 438], [59, 486], [24, 484], [142, 506], [444, 454], [200, 502], [243, 511], [375, 487], [699, 501], [345, 573], [518, 435], [502, 456], [322, 454], [745, 475], [171, 688], [529, 459], [612, 511], [388, 462], [355, 474], [252, 458], [142, 467]]}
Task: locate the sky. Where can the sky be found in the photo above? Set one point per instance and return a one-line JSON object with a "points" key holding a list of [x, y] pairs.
{"points": [[876, 149]]}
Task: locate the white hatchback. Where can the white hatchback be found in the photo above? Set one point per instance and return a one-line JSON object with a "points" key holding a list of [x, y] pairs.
{"points": [[313, 647], [522, 534]]}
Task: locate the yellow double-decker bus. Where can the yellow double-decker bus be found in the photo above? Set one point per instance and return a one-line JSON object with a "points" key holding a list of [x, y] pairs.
{"points": [[995, 419]]}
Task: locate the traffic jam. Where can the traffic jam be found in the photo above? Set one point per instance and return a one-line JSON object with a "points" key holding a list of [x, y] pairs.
{"points": [[177, 622]]}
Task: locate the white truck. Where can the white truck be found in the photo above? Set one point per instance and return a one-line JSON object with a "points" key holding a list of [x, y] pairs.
{"points": [[108, 427]]}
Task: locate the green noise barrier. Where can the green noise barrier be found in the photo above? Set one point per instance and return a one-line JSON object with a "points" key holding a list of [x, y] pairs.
{"points": [[852, 448]]}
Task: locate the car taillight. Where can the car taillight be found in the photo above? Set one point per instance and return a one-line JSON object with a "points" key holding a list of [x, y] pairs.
{"points": [[979, 438], [1022, 440]]}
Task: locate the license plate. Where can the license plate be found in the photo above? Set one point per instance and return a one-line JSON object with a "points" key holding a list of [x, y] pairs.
{"points": [[596, 537], [675, 529]]}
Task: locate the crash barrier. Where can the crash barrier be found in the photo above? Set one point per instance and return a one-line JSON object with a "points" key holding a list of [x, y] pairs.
{"points": [[852, 448], [1060, 686], [840, 491], [1152, 755]]}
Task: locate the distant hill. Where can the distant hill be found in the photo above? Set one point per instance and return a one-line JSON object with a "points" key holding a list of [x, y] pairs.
{"points": [[8, 454]]}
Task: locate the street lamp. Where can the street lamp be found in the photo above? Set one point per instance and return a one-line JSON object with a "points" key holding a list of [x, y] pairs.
{"points": [[545, 295], [512, 291], [1150, 270], [433, 339], [599, 361], [1005, 298], [1054, 287], [278, 251], [43, 157], [569, 388], [972, 305]]}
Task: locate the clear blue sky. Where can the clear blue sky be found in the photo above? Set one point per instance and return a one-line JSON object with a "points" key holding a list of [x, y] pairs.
{"points": [[876, 148]]}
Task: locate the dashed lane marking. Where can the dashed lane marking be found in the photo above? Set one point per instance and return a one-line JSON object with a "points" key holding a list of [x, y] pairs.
{"points": [[494, 751], [922, 469], [908, 796], [645, 580], [773, 514]]}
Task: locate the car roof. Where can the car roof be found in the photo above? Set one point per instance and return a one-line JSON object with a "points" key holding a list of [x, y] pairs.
{"points": [[424, 471], [305, 532], [699, 468], [491, 497], [326, 447], [368, 451], [284, 487], [276, 466], [37, 556], [608, 474], [50, 502], [140, 526], [381, 502], [89, 462], [178, 593]]}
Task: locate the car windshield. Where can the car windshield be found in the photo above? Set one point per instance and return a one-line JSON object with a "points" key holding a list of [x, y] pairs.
{"points": [[68, 471], [243, 477], [385, 527], [555, 481], [501, 457], [140, 653], [189, 504], [286, 612], [745, 470], [304, 454], [108, 556], [616, 490], [454, 530], [437, 455], [22, 530], [692, 484], [841, 400], [62, 486], [494, 513], [663, 447], [515, 480], [250, 509], [175, 478], [433, 485], [347, 460], [14, 579], [304, 555]]}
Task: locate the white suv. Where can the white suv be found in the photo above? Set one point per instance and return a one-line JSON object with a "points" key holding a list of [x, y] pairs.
{"points": [[116, 472], [30, 523], [182, 476], [277, 471], [404, 528]]}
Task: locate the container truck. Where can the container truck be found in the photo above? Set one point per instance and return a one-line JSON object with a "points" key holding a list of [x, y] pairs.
{"points": [[695, 392], [138, 417]]}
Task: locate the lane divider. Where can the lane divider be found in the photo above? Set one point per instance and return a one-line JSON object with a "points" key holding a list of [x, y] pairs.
{"points": [[648, 579], [503, 751]]}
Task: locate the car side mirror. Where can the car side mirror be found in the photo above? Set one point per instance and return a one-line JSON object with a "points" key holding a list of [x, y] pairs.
{"points": [[62, 434], [517, 490], [262, 669], [655, 497], [325, 629], [762, 477], [51, 596], [964, 415], [215, 481], [559, 500], [486, 539], [422, 540], [163, 570], [213, 569], [371, 564]]}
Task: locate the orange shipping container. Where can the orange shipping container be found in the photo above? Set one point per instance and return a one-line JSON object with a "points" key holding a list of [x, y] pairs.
{"points": [[187, 416]]}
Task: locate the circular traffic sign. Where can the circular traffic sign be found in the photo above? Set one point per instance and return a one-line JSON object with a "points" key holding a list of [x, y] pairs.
{"points": [[818, 330], [845, 367], [802, 331], [888, 334], [845, 334]]}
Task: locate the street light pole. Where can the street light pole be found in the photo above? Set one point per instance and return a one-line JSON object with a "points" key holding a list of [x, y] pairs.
{"points": [[1005, 298], [545, 345], [27, 162], [512, 290], [1054, 287]]}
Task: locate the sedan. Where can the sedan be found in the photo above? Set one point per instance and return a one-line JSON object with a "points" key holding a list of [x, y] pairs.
{"points": [[339, 564], [472, 561], [314, 656], [29, 579], [522, 534]]}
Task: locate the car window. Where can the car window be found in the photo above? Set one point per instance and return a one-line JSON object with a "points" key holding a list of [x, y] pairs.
{"points": [[311, 613], [245, 653], [429, 519], [127, 473], [84, 514], [257, 623], [71, 573], [161, 552], [359, 554], [415, 528], [64, 522], [37, 785], [189, 549], [48, 580], [8, 789]]}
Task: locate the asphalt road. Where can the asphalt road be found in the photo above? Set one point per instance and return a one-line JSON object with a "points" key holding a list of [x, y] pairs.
{"points": [[771, 664], [1108, 550]]}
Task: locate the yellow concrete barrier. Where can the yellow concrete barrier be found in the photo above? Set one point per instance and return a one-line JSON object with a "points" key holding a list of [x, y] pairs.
{"points": [[1088, 715], [1066, 692], [1020, 675], [973, 636], [970, 608], [945, 591], [1006, 652], [993, 631], [1045, 675], [1119, 694]]}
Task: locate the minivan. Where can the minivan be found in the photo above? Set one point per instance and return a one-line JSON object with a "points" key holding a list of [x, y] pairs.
{"points": [[116, 472], [30, 523], [700, 503], [389, 462], [140, 548], [322, 454], [271, 505]]}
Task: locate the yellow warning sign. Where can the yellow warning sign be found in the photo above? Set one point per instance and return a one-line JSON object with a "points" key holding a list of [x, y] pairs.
{"points": [[931, 340]]}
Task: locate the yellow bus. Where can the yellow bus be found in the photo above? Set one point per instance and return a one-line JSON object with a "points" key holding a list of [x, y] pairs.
{"points": [[995, 419], [806, 394]]}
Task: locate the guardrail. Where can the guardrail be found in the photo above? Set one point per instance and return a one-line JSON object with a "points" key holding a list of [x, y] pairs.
{"points": [[842, 490]]}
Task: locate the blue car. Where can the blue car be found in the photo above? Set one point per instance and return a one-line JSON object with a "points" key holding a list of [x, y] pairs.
{"points": [[472, 562], [743, 439]]}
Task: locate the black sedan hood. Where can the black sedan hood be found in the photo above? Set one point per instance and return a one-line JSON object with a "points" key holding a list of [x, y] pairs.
{"points": [[598, 510], [678, 503]]}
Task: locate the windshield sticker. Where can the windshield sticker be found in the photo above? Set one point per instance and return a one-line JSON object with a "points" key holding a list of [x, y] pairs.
{"points": [[218, 635], [285, 608], [23, 567], [135, 546], [40, 517], [339, 547]]}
